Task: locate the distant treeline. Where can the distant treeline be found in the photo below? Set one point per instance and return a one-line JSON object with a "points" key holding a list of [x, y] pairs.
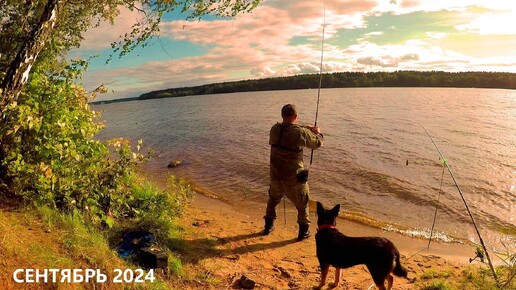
{"points": [[350, 80]]}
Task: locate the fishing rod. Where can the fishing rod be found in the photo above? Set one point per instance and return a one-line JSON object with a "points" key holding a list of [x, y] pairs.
{"points": [[318, 99], [320, 77], [445, 164]]}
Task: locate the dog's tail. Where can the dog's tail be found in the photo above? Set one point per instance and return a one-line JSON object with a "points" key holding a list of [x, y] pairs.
{"points": [[399, 270]]}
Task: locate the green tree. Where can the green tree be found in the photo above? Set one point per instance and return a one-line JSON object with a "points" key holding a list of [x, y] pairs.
{"points": [[47, 150]]}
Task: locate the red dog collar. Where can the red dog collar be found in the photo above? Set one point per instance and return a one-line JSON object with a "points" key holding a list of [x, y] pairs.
{"points": [[322, 227]]}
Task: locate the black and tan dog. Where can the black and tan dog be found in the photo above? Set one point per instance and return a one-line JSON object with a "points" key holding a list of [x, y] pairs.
{"points": [[340, 251]]}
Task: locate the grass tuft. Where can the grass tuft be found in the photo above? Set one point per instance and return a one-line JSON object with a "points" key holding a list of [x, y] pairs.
{"points": [[437, 285]]}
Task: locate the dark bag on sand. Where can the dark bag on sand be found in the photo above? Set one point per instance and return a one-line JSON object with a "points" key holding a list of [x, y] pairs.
{"points": [[133, 241], [153, 258], [302, 176]]}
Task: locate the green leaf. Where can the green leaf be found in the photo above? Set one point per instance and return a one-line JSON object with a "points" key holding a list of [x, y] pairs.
{"points": [[109, 222]]}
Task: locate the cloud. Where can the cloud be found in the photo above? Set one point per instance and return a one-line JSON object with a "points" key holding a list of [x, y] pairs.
{"points": [[283, 37], [301, 10], [384, 61], [436, 35], [408, 6], [212, 67], [409, 57], [275, 22], [258, 42], [409, 3], [101, 37], [416, 56], [261, 40], [370, 35], [493, 23], [301, 68], [263, 72]]}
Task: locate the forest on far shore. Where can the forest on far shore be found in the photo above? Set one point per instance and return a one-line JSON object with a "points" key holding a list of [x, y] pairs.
{"points": [[499, 80]]}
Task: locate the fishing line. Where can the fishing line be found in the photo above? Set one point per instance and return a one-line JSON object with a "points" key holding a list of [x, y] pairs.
{"points": [[284, 211], [413, 255], [436, 206], [445, 163], [163, 48]]}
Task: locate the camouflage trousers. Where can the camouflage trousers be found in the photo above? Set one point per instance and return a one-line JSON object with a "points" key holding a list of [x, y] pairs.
{"points": [[298, 193]]}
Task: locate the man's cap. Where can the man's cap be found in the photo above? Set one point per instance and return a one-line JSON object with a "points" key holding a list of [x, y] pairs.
{"points": [[288, 110]]}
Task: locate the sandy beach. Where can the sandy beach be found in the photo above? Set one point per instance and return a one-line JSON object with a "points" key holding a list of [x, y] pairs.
{"points": [[228, 244]]}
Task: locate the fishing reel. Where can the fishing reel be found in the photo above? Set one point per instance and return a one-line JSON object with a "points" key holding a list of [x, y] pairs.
{"points": [[478, 254]]}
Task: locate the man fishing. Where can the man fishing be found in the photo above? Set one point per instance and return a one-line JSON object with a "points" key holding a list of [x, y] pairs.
{"points": [[287, 174]]}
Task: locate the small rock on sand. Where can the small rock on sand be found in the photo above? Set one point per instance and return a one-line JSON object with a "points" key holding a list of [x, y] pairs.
{"points": [[174, 163], [246, 283]]}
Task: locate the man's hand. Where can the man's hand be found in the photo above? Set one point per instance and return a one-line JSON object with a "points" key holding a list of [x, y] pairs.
{"points": [[314, 129]]}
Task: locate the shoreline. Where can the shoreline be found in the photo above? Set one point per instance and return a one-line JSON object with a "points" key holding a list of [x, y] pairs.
{"points": [[227, 244], [209, 201], [456, 252]]}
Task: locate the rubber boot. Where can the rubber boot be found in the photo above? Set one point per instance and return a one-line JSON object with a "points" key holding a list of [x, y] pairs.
{"points": [[304, 232], [269, 226]]}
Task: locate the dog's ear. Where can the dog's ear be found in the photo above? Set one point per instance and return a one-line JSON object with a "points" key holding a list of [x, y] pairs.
{"points": [[335, 210], [320, 209]]}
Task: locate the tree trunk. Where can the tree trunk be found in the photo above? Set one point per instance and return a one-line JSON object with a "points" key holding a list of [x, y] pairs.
{"points": [[18, 72]]}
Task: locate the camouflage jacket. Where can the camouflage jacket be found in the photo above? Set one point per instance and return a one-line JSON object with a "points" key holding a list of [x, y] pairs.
{"points": [[287, 154]]}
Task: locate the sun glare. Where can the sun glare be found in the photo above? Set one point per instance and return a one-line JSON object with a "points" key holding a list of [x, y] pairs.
{"points": [[494, 23], [497, 20]]}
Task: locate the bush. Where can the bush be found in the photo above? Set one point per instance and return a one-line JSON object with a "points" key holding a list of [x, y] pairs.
{"points": [[150, 209], [507, 272], [49, 156]]}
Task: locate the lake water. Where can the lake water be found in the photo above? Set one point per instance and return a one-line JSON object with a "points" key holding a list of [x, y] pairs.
{"points": [[371, 134]]}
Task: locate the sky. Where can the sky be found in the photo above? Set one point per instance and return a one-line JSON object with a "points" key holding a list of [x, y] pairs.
{"points": [[283, 38]]}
